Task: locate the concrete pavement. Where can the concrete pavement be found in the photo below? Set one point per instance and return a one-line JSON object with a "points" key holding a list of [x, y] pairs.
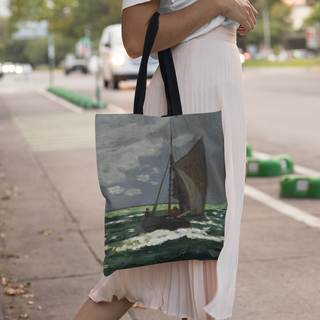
{"points": [[52, 211], [52, 217]]}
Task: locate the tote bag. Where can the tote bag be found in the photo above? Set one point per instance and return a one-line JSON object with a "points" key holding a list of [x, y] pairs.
{"points": [[163, 178]]}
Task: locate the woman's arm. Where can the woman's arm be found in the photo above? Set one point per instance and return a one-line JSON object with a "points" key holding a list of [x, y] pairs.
{"points": [[176, 26]]}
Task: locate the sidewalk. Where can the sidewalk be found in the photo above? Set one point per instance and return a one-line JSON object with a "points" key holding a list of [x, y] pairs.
{"points": [[51, 225], [51, 216]]}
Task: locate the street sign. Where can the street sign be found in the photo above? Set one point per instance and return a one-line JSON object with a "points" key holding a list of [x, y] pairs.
{"points": [[311, 37], [31, 30], [83, 47]]}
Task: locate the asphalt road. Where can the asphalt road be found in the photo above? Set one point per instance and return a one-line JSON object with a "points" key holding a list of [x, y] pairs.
{"points": [[278, 273]]}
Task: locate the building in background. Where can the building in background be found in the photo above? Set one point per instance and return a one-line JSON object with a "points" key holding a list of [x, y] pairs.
{"points": [[309, 37], [300, 10]]}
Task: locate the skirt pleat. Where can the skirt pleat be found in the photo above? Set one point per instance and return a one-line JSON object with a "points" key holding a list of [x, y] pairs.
{"points": [[209, 75]]}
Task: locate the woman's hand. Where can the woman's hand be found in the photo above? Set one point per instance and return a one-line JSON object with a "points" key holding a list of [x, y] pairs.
{"points": [[242, 12]]}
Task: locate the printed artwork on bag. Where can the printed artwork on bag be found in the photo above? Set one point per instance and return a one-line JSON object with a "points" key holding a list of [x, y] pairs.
{"points": [[164, 184]]}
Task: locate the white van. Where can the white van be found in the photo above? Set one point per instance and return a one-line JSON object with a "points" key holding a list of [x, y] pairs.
{"points": [[116, 64]]}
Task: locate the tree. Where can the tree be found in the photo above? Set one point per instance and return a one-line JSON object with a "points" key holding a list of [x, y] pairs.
{"points": [[31, 51], [314, 16], [70, 18], [280, 23]]}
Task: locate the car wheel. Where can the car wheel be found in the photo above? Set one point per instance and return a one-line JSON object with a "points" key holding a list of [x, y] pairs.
{"points": [[67, 72], [105, 83], [85, 71], [115, 82]]}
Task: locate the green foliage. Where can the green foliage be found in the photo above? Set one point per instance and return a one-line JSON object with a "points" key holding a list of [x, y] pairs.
{"points": [[77, 98], [35, 51], [10, 50], [314, 16], [259, 4], [255, 36], [280, 12], [63, 45], [279, 22], [312, 2], [70, 18], [31, 51], [293, 62]]}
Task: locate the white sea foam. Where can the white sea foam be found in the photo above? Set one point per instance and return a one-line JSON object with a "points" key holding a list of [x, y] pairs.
{"points": [[134, 215], [160, 236], [206, 223], [112, 222]]}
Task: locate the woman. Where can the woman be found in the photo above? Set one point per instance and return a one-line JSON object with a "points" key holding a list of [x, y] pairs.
{"points": [[202, 35]]}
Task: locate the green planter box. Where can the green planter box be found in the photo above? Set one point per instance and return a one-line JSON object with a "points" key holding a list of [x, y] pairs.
{"points": [[275, 166], [78, 99], [249, 150], [295, 186]]}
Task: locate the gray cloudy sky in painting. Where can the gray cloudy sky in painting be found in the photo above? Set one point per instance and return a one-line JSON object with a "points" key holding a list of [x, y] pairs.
{"points": [[133, 152]]}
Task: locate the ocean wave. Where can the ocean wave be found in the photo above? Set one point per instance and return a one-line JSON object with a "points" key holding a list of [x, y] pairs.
{"points": [[134, 215], [160, 236], [112, 222], [206, 222]]}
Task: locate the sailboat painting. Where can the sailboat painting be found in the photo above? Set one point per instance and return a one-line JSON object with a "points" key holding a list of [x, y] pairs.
{"points": [[163, 179]]}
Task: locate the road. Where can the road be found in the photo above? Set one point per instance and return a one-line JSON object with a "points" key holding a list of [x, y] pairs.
{"points": [[278, 273]]}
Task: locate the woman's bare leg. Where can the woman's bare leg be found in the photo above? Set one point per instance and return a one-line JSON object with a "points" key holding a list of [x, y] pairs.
{"points": [[113, 310]]}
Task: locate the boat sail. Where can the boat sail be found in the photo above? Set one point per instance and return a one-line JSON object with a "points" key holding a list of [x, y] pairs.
{"points": [[188, 183]]}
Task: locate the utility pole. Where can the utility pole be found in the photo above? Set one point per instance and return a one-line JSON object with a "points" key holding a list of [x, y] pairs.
{"points": [[97, 84], [51, 56], [266, 29]]}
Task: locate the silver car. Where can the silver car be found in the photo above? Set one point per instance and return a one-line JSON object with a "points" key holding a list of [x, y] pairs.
{"points": [[116, 64]]}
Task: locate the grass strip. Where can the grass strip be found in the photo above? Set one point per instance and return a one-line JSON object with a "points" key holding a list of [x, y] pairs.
{"points": [[76, 98], [311, 62]]}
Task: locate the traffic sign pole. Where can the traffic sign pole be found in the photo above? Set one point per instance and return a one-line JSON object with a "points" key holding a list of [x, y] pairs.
{"points": [[51, 56]]}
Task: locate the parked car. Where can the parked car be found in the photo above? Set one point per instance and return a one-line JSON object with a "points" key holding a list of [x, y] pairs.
{"points": [[73, 63], [27, 68], [116, 64], [8, 67]]}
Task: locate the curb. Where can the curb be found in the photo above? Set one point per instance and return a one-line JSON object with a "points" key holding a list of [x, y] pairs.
{"points": [[64, 103], [111, 108]]}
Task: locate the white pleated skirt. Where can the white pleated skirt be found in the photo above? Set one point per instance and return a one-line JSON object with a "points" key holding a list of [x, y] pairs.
{"points": [[209, 75]]}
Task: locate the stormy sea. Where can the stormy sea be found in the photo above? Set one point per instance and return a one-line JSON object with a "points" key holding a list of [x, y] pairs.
{"points": [[127, 245]]}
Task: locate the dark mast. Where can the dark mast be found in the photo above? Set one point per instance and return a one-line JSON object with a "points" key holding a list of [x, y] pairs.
{"points": [[170, 193]]}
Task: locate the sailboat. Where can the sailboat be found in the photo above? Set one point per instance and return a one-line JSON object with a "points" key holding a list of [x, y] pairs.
{"points": [[188, 184]]}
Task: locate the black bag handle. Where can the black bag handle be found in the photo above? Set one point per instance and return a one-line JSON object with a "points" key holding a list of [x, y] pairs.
{"points": [[167, 71]]}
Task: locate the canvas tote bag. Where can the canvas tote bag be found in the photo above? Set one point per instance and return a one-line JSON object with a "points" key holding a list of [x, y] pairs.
{"points": [[163, 178]]}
